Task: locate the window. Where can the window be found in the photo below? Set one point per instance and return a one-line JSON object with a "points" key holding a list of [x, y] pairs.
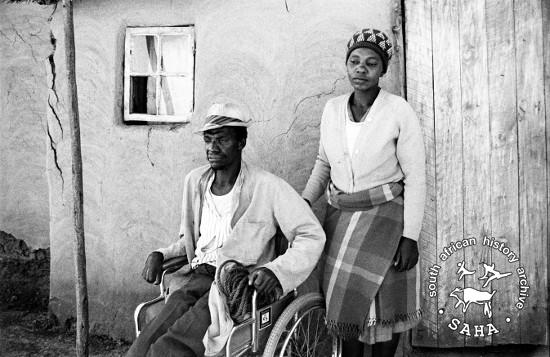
{"points": [[159, 74]]}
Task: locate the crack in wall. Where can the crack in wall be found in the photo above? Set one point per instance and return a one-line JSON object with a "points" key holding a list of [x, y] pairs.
{"points": [[54, 112], [52, 92], [52, 87], [318, 95], [53, 12], [53, 41], [149, 142], [24, 41], [53, 146]]}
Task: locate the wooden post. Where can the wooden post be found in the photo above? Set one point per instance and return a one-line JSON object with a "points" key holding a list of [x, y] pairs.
{"points": [[82, 323]]}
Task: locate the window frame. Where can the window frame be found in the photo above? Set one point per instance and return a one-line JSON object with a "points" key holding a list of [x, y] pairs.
{"points": [[158, 32]]}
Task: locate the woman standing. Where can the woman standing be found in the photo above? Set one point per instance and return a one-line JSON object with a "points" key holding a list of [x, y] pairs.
{"points": [[371, 164]]}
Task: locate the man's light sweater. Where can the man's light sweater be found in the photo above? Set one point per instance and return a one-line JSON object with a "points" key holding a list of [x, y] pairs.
{"points": [[389, 148], [265, 203]]}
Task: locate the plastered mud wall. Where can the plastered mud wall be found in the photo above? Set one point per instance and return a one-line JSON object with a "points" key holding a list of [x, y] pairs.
{"points": [[25, 47], [281, 60]]}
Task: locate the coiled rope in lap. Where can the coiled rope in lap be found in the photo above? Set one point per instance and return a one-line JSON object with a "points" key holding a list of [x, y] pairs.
{"points": [[232, 281]]}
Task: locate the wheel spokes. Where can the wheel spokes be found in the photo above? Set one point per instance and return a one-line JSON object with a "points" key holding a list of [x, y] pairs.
{"points": [[307, 336]]}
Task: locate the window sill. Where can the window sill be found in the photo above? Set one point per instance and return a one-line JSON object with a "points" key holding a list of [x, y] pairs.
{"points": [[156, 119]]}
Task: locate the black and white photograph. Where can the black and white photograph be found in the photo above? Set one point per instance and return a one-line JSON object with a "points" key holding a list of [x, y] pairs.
{"points": [[276, 178]]}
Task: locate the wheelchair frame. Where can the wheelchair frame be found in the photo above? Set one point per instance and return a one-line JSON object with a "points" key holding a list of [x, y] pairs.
{"points": [[295, 310]]}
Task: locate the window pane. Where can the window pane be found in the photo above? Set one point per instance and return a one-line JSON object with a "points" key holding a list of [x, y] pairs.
{"points": [[143, 95], [176, 95], [144, 54], [176, 53]]}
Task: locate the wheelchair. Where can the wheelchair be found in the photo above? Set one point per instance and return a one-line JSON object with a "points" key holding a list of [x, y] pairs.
{"points": [[293, 326]]}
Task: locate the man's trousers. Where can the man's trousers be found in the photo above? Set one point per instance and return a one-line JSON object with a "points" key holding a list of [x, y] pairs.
{"points": [[179, 328]]}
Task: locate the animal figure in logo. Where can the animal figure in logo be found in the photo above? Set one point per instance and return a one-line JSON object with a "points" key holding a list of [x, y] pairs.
{"points": [[471, 295]]}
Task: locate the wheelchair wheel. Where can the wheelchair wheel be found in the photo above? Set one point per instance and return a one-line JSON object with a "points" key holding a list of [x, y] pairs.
{"points": [[301, 330]]}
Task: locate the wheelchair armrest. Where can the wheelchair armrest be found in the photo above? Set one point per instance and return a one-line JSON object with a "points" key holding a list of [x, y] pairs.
{"points": [[173, 264], [168, 267]]}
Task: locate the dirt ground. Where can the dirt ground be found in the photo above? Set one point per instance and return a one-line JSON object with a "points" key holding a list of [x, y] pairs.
{"points": [[25, 327], [25, 334]]}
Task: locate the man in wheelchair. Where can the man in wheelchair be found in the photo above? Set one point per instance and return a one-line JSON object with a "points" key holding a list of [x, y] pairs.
{"points": [[230, 210]]}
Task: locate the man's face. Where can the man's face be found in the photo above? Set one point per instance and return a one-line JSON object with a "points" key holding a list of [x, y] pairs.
{"points": [[222, 147]]}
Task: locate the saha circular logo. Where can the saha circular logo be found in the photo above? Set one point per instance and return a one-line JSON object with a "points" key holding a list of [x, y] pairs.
{"points": [[479, 300]]}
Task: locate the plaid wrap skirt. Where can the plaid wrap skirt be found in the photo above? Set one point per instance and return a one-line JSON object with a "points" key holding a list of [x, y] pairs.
{"points": [[366, 297]]}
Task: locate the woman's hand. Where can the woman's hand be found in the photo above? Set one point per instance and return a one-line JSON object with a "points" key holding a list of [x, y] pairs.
{"points": [[407, 254]]}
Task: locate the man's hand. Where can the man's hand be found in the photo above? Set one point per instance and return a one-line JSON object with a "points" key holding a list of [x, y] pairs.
{"points": [[152, 271], [407, 254], [265, 282]]}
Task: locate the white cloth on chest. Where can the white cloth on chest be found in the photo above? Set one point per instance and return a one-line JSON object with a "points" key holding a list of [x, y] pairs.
{"points": [[352, 133], [215, 225], [353, 128]]}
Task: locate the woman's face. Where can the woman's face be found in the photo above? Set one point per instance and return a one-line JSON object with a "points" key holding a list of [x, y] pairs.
{"points": [[364, 69]]}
